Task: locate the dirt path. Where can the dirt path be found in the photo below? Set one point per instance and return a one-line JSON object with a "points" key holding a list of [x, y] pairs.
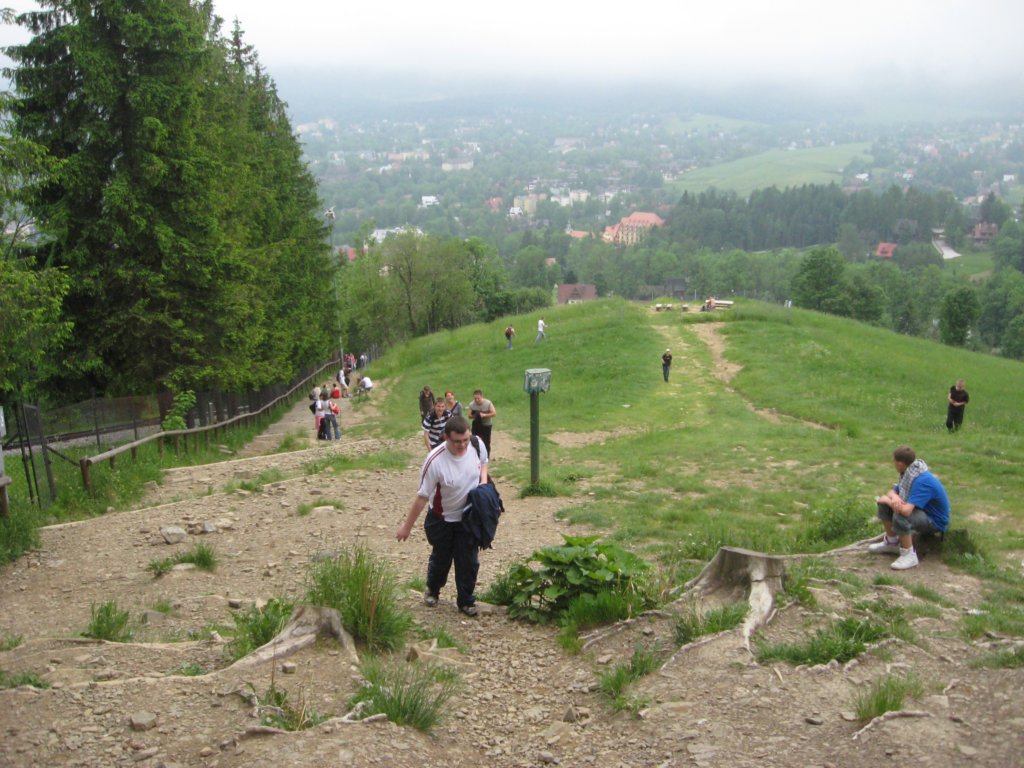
{"points": [[524, 701]]}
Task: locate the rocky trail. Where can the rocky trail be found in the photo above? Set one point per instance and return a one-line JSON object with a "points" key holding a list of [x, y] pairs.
{"points": [[523, 700]]}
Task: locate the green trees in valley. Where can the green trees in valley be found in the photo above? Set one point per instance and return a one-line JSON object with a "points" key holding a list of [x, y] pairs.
{"points": [[959, 312], [179, 207]]}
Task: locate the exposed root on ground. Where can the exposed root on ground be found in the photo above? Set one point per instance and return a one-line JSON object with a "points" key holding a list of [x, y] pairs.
{"points": [[307, 623]]}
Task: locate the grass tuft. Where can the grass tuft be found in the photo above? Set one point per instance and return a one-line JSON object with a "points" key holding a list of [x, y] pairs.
{"points": [[278, 712], [190, 669], [691, 624], [887, 694], [202, 556], [1005, 659], [844, 640], [258, 626], [8, 642], [613, 683], [14, 680], [409, 694], [109, 623], [363, 589]]}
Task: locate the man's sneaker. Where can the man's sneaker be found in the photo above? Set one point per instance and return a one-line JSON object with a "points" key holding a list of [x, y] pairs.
{"points": [[885, 547], [907, 559], [429, 599], [469, 610]]}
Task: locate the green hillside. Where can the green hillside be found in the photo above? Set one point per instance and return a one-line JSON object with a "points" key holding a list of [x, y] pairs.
{"points": [[803, 433], [778, 167]]}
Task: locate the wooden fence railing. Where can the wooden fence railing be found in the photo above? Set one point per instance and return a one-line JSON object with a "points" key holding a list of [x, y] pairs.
{"points": [[182, 435]]}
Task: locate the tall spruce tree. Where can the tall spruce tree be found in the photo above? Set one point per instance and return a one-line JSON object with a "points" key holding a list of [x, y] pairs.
{"points": [[179, 239]]}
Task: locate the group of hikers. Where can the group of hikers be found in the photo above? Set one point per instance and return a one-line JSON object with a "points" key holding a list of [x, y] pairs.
{"points": [[435, 412], [324, 400]]}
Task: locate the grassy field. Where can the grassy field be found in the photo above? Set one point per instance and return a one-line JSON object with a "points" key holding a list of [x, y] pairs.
{"points": [[974, 264], [778, 167], [800, 439]]}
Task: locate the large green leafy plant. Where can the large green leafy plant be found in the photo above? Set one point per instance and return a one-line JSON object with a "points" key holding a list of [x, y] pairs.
{"points": [[584, 565]]}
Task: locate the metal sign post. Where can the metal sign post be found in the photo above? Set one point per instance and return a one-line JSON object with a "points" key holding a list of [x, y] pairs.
{"points": [[537, 380]]}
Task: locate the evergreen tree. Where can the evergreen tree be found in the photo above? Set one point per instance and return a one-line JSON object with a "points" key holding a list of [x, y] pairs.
{"points": [[181, 209]]}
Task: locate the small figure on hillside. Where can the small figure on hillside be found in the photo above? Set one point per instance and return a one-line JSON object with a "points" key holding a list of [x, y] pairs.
{"points": [[509, 333], [426, 402], [450, 472], [709, 305], [482, 411], [541, 327], [433, 424], [917, 504], [958, 399], [365, 385], [453, 405], [666, 363]]}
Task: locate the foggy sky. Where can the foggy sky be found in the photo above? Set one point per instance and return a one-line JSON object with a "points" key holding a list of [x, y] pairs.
{"points": [[689, 42], [705, 44]]}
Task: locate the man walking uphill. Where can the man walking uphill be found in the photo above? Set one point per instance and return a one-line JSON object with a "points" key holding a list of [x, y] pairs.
{"points": [[450, 472], [482, 411], [666, 363], [958, 399]]}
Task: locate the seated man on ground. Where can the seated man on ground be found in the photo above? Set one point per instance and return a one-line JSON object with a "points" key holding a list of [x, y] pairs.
{"points": [[916, 504]]}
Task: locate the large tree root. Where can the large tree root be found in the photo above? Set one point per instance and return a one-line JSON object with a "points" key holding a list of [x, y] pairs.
{"points": [[307, 623], [892, 715]]}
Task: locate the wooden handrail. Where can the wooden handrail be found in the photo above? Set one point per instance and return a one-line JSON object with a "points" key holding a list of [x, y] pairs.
{"points": [[87, 462]]}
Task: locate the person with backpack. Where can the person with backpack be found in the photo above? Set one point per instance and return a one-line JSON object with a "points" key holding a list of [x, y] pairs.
{"points": [[509, 333], [449, 473]]}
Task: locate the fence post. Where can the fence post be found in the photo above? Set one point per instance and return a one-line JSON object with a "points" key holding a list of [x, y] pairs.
{"points": [[86, 478]]}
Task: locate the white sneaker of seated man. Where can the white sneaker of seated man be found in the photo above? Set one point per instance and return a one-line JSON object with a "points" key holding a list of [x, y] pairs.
{"points": [[907, 559]]}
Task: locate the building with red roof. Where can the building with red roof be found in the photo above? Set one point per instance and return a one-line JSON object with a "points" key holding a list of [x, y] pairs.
{"points": [[631, 229], [885, 250]]}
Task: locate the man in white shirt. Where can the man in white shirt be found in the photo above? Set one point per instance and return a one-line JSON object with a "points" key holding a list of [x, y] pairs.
{"points": [[541, 325], [449, 473]]}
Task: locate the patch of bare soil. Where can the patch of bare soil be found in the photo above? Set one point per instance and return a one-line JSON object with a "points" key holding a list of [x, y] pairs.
{"points": [[524, 701]]}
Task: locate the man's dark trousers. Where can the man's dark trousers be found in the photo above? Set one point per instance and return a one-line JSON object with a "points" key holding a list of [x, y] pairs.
{"points": [[451, 544]]}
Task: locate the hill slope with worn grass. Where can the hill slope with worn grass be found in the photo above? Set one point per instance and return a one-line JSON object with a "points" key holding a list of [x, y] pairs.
{"points": [[806, 421]]}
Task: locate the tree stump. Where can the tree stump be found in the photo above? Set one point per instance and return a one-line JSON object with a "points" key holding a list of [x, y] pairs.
{"points": [[736, 573], [307, 623]]}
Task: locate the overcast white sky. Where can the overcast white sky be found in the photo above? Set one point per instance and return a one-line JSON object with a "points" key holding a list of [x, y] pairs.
{"points": [[703, 41]]}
